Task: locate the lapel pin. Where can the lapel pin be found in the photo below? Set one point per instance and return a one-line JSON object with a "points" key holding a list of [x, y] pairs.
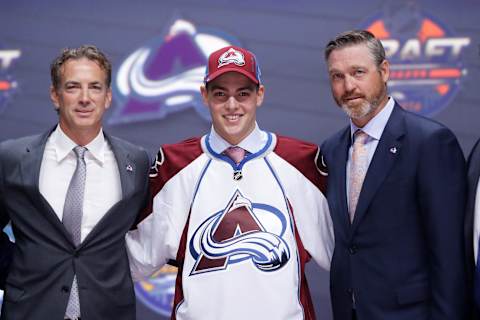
{"points": [[129, 168], [393, 150]]}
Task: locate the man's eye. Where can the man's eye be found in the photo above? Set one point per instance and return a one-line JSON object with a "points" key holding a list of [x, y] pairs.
{"points": [[336, 76], [218, 94]]}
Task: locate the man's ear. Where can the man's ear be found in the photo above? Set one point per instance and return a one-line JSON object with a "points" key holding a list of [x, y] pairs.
{"points": [[204, 92], [109, 98], [260, 95], [384, 69], [54, 97]]}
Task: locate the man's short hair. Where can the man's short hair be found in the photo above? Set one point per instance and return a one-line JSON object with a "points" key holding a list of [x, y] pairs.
{"points": [[354, 37], [90, 52]]}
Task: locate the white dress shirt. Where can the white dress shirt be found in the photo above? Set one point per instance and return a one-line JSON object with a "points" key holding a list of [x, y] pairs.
{"points": [[252, 143], [374, 128], [102, 184]]}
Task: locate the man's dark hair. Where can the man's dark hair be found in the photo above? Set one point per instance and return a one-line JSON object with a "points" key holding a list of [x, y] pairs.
{"points": [[90, 52], [355, 37]]}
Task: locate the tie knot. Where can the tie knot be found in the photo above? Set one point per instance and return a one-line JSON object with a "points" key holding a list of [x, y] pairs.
{"points": [[360, 137], [235, 153], [80, 152]]}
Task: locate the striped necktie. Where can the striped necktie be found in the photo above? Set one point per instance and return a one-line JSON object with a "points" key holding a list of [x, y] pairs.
{"points": [[358, 170], [72, 220]]}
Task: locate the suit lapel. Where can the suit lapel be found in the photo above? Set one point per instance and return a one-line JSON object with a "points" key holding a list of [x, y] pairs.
{"points": [[30, 171], [473, 175], [388, 150], [30, 165], [340, 155], [126, 167]]}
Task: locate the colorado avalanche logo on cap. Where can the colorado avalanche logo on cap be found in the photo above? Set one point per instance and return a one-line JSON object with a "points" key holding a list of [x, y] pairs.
{"points": [[165, 75], [231, 56], [237, 234], [425, 56]]}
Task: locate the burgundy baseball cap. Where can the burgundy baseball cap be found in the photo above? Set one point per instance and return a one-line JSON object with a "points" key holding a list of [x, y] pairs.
{"points": [[234, 59]]}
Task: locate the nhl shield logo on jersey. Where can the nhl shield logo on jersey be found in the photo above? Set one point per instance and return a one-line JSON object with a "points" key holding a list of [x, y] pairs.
{"points": [[231, 56], [242, 231]]}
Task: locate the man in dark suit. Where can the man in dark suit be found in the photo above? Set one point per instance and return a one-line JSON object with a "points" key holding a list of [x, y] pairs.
{"points": [[472, 228], [396, 191], [71, 194]]}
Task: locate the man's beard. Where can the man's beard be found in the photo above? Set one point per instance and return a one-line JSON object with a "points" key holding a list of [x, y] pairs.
{"points": [[362, 111], [359, 112]]}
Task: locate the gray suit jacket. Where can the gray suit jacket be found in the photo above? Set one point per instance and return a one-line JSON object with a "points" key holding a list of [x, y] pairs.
{"points": [[44, 257]]}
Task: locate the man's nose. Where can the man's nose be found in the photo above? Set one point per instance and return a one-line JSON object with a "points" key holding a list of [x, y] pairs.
{"points": [[231, 103], [84, 97]]}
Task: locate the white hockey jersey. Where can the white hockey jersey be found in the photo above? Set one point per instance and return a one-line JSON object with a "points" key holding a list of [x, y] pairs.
{"points": [[240, 234]]}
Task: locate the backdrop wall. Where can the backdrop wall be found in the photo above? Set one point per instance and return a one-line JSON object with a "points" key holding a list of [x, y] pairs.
{"points": [[159, 49]]}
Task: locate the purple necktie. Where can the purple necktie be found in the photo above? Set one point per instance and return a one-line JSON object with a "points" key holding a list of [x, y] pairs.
{"points": [[235, 153]]}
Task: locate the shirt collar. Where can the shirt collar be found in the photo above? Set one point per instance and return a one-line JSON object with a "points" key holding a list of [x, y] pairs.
{"points": [[97, 147], [374, 128], [63, 145], [254, 142]]}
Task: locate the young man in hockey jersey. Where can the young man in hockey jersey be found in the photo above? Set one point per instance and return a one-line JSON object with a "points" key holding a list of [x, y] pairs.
{"points": [[241, 210]]}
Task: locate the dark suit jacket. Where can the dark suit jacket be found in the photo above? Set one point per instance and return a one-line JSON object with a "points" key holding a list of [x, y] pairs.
{"points": [[473, 176], [6, 252], [44, 257], [403, 255]]}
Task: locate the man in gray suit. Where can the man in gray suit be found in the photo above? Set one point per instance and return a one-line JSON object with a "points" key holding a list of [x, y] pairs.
{"points": [[71, 194]]}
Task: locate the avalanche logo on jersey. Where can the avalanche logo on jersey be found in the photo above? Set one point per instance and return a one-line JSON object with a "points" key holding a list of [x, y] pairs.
{"points": [[231, 56], [242, 231], [165, 75], [425, 55], [8, 84]]}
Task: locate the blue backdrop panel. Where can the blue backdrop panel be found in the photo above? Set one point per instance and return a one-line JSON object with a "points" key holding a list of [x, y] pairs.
{"points": [[435, 55]]}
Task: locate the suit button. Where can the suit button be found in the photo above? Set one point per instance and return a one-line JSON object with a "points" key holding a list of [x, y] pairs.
{"points": [[349, 290], [352, 249], [65, 289]]}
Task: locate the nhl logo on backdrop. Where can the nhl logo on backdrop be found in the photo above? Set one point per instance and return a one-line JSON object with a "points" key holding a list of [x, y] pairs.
{"points": [[8, 84], [231, 56], [426, 65]]}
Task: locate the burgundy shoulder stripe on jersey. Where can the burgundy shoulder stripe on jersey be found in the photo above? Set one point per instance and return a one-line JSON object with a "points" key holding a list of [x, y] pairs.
{"points": [[170, 159], [305, 157]]}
